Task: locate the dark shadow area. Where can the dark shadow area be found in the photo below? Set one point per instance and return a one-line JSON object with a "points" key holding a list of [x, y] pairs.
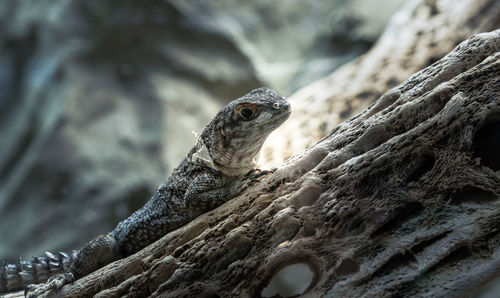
{"points": [[486, 143], [472, 194], [425, 163]]}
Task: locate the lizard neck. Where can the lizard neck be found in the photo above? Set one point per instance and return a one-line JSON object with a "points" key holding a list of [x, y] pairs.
{"points": [[228, 162], [237, 170]]}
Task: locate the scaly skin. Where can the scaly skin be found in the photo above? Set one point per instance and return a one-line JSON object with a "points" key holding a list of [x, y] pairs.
{"points": [[212, 173]]}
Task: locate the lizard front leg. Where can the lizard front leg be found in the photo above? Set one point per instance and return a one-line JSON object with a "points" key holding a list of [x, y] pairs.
{"points": [[101, 251]]}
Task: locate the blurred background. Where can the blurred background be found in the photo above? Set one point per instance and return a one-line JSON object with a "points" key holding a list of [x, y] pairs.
{"points": [[98, 99]]}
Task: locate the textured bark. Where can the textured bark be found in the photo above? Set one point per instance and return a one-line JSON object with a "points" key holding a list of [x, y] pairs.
{"points": [[402, 200], [422, 32]]}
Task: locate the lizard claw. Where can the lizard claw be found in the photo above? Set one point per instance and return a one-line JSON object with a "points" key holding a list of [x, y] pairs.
{"points": [[49, 288], [254, 174], [251, 172]]}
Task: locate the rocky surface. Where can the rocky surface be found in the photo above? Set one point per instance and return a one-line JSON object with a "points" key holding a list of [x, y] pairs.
{"points": [[98, 99], [401, 200]]}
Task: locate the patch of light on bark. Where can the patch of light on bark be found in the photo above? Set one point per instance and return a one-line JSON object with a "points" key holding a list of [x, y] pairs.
{"points": [[290, 281]]}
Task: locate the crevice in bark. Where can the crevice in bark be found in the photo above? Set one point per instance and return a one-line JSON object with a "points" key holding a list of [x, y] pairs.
{"points": [[486, 142], [398, 260], [401, 215], [418, 248], [472, 195], [424, 163]]}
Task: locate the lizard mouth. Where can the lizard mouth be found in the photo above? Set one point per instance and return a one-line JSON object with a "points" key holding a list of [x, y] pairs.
{"points": [[276, 120]]}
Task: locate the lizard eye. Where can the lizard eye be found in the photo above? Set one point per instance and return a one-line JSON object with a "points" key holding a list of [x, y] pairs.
{"points": [[246, 112]]}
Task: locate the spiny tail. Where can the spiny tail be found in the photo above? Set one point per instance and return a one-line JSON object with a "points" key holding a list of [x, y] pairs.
{"points": [[17, 276]]}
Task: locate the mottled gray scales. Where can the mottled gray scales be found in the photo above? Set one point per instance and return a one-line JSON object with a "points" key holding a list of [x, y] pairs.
{"points": [[218, 167]]}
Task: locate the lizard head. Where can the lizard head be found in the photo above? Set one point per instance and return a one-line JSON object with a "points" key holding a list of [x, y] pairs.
{"points": [[236, 134], [256, 114]]}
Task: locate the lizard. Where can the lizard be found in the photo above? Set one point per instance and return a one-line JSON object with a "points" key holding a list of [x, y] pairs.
{"points": [[219, 167]]}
